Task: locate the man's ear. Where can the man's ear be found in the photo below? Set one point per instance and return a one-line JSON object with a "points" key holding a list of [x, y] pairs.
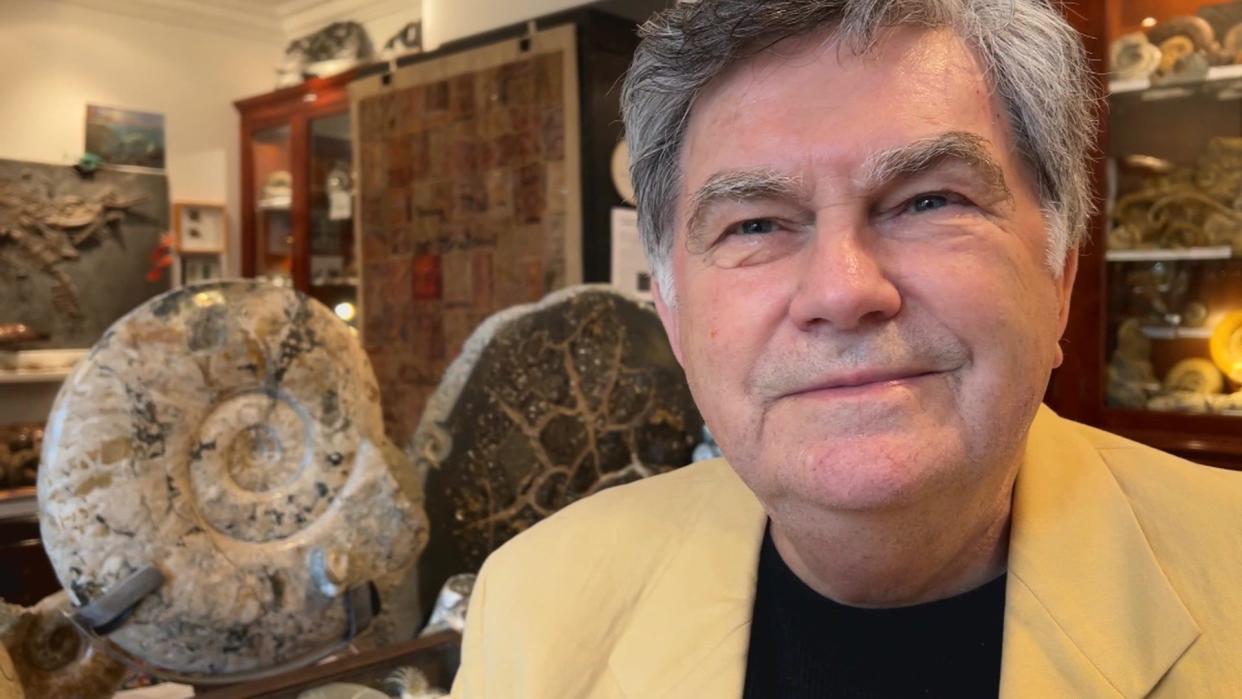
{"points": [[1065, 289], [668, 316]]}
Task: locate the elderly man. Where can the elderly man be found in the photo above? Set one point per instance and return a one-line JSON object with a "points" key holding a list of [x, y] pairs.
{"points": [[863, 218]]}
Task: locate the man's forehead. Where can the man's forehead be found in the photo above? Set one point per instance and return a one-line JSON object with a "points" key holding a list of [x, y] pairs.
{"points": [[731, 127], [893, 51]]}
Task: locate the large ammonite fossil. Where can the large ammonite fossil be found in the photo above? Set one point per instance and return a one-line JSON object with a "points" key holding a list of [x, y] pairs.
{"points": [[228, 434]]}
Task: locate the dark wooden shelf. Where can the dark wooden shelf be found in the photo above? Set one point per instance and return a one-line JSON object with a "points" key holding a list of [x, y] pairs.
{"points": [[1077, 390]]}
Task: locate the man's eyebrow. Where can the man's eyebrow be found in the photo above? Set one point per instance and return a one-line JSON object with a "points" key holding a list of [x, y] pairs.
{"points": [[888, 166], [740, 186]]}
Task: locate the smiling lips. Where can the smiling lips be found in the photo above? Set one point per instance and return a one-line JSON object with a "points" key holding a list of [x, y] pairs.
{"points": [[861, 383]]}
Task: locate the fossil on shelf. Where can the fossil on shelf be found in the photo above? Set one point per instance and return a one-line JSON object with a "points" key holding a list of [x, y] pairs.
{"points": [[1181, 207]]}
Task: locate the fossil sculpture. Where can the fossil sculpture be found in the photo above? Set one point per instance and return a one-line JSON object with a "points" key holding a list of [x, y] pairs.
{"points": [[75, 250], [228, 436], [335, 48], [40, 229], [547, 403], [408, 39]]}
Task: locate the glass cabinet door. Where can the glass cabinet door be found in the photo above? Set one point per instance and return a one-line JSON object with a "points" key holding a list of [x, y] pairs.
{"points": [[273, 182], [333, 268], [1174, 242]]}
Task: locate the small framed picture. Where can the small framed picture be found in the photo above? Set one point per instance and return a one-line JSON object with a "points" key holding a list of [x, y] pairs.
{"points": [[200, 268], [200, 227]]}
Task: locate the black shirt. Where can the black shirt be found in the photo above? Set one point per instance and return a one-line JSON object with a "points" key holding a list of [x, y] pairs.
{"points": [[805, 645]]}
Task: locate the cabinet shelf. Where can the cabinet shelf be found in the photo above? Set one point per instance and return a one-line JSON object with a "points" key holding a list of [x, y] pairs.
{"points": [[1167, 332], [54, 376], [1225, 82], [1216, 252]]}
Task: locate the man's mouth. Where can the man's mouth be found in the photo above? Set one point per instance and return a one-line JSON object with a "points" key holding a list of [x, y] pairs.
{"points": [[863, 382]]}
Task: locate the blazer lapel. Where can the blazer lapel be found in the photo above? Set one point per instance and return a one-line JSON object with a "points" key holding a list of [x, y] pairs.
{"points": [[691, 630], [1089, 611]]}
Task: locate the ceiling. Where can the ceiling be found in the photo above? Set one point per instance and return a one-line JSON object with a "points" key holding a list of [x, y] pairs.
{"points": [[276, 21], [281, 21]]}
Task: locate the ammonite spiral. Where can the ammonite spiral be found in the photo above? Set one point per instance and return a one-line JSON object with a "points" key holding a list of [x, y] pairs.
{"points": [[50, 658], [1196, 29], [229, 434]]}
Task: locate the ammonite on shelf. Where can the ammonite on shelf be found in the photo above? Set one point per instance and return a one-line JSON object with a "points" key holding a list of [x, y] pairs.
{"points": [[1194, 375], [1173, 50], [1226, 346], [229, 434], [1200, 33], [1133, 57], [1232, 43]]}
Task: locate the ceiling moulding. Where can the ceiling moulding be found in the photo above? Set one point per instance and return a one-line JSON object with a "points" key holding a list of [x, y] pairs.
{"points": [[233, 18], [302, 17]]}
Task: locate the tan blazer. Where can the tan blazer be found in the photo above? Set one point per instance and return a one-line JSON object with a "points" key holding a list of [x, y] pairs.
{"points": [[1125, 580]]}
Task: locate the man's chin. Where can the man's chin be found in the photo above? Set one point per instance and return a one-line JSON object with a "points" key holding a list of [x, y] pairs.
{"points": [[874, 473]]}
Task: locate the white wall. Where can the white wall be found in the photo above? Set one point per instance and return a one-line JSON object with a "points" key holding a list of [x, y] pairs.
{"points": [[446, 20], [56, 57]]}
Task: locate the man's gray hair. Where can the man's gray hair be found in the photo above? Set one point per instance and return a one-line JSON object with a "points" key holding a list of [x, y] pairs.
{"points": [[1033, 58]]}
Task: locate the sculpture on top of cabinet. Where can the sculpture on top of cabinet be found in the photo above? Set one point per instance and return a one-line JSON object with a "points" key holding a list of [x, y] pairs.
{"points": [[331, 50]]}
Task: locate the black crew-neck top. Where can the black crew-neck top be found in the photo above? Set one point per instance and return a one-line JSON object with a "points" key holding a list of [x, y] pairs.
{"points": [[803, 644]]}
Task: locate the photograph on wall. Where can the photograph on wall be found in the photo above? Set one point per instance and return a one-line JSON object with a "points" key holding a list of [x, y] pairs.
{"points": [[200, 227], [125, 137], [76, 253]]}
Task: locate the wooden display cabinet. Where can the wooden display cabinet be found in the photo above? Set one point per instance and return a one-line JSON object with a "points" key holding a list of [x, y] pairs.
{"points": [[1162, 272], [298, 198]]}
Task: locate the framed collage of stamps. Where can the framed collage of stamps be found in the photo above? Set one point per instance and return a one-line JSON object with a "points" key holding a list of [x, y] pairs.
{"points": [[470, 201]]}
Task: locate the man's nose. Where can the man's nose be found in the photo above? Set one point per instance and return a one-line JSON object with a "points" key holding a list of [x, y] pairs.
{"points": [[842, 284]]}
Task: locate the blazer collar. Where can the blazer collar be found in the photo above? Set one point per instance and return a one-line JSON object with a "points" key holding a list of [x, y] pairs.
{"points": [[1087, 602], [690, 631]]}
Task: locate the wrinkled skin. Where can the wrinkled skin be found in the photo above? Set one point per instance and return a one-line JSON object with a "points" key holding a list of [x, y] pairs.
{"points": [[868, 354]]}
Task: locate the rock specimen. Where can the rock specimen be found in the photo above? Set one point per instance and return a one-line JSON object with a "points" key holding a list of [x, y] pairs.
{"points": [[548, 403]]}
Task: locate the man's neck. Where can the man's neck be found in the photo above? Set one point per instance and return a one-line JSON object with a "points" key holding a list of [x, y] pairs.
{"points": [[899, 558]]}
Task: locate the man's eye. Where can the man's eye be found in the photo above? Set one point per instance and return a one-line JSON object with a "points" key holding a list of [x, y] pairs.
{"points": [[928, 202], [758, 226]]}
